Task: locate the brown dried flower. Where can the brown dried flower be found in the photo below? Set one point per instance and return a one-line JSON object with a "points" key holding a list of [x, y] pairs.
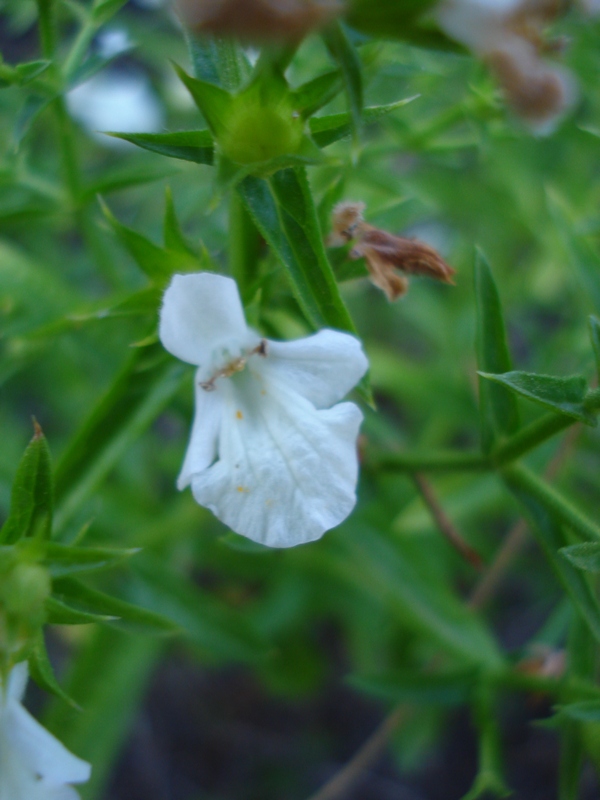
{"points": [[259, 20], [385, 253], [510, 36]]}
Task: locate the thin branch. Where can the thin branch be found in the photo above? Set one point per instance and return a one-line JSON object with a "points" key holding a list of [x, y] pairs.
{"points": [[444, 523]]}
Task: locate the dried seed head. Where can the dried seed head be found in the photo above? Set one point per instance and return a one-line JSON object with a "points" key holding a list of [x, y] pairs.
{"points": [[259, 20], [385, 253]]}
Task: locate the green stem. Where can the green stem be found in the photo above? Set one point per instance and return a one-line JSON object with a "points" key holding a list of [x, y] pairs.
{"points": [[529, 437], [244, 245], [519, 476], [79, 49], [426, 462], [47, 25]]}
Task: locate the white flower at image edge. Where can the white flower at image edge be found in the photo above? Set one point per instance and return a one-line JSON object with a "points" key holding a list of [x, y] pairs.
{"points": [[33, 764], [270, 453]]}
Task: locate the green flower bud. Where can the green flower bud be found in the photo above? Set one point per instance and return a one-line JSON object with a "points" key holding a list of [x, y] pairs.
{"points": [[258, 133]]}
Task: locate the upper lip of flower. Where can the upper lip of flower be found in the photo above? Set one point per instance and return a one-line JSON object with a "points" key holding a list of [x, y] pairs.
{"points": [[286, 464]]}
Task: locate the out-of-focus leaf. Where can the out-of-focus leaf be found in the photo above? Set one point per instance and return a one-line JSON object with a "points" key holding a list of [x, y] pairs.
{"points": [[103, 10], [595, 337], [42, 673], [584, 556], [32, 497], [73, 592], [173, 235], [447, 689], [497, 405], [586, 711], [63, 560], [22, 74], [108, 680], [315, 94], [565, 395], [139, 392], [376, 565], [219, 61], [158, 263], [344, 52], [114, 180], [583, 255], [547, 525], [59, 612], [218, 631], [196, 146], [22, 283], [331, 128]]}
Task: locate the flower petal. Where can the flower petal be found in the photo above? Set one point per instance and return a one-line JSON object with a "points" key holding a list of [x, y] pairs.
{"points": [[286, 471], [202, 447], [17, 681], [322, 368], [41, 752], [201, 313]]}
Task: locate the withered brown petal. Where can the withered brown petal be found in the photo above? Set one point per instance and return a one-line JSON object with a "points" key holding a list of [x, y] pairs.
{"points": [[408, 255]]}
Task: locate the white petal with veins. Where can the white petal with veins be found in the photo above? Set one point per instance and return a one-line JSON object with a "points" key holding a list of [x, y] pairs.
{"points": [[202, 320], [286, 471], [322, 368]]}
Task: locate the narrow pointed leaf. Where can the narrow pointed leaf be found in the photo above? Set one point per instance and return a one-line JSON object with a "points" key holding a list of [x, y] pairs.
{"points": [[333, 127], [447, 689], [59, 612], [283, 211], [32, 497], [93, 601], [196, 146], [565, 395], [213, 102], [595, 337], [219, 61], [585, 556], [497, 405], [63, 560], [315, 94], [156, 262], [42, 673], [172, 233], [344, 52]]}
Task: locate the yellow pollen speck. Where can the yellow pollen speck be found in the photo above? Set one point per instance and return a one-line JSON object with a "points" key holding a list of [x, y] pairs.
{"points": [[239, 415], [262, 391], [241, 489]]}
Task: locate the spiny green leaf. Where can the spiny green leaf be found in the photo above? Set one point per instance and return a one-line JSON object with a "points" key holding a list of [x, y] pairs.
{"points": [[42, 673], [93, 601], [64, 560], [497, 406], [333, 127], [219, 61], [58, 612], [344, 52], [565, 395], [213, 102], [156, 262], [32, 497], [584, 556], [172, 233], [196, 146]]}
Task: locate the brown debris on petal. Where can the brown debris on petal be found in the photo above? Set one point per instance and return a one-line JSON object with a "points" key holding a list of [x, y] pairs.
{"points": [[386, 254], [259, 20]]}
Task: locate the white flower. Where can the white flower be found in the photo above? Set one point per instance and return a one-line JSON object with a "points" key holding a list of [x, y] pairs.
{"points": [[509, 36], [286, 462], [33, 764]]}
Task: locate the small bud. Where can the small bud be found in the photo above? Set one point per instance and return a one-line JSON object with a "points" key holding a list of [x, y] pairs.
{"points": [[385, 253], [259, 20]]}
